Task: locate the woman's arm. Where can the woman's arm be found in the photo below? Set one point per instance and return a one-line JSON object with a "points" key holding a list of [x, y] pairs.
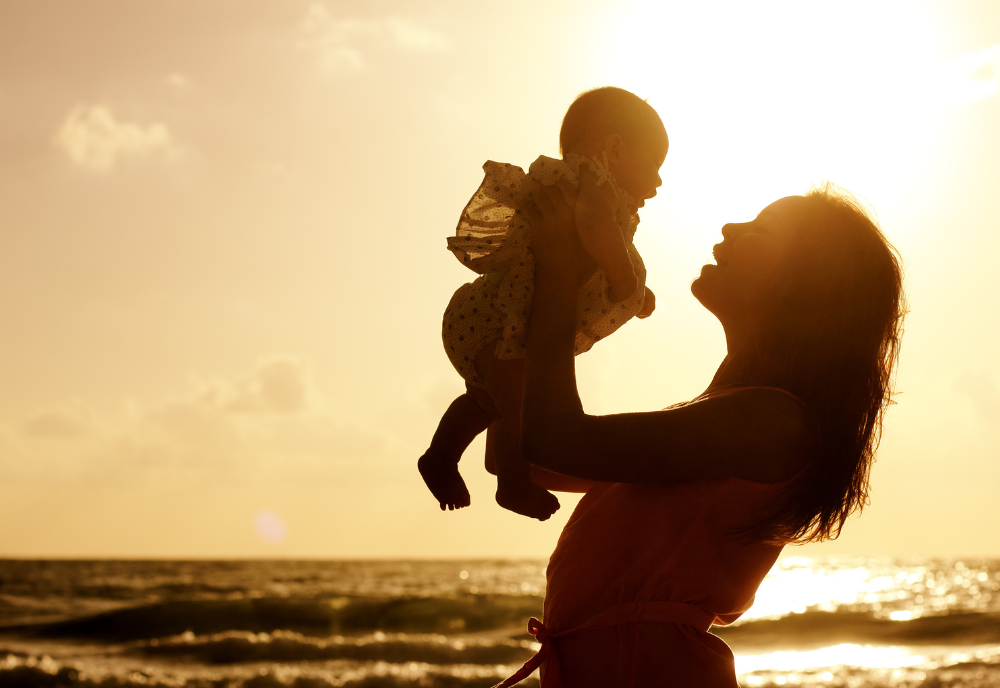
{"points": [[758, 434], [554, 482]]}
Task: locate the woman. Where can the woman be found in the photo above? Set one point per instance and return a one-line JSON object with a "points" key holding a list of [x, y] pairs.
{"points": [[689, 507]]}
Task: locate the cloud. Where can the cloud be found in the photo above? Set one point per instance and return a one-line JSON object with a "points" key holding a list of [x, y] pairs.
{"points": [[413, 37], [271, 423], [340, 42], [63, 423], [94, 139], [279, 384]]}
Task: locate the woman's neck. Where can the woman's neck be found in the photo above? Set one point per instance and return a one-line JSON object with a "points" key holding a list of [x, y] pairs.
{"points": [[726, 376], [739, 367], [744, 363]]}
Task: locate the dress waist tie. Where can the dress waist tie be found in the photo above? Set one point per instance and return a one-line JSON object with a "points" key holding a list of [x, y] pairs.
{"points": [[627, 613]]}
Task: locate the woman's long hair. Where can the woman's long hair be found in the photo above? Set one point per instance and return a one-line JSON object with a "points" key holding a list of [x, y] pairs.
{"points": [[831, 336]]}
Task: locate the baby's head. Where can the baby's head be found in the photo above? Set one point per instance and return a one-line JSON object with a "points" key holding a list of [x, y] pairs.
{"points": [[621, 124]]}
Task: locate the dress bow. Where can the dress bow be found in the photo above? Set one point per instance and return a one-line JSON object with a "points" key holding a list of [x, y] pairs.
{"points": [[537, 629]]}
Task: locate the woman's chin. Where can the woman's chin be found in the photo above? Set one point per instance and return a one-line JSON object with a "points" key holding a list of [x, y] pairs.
{"points": [[705, 273], [697, 286], [701, 286]]}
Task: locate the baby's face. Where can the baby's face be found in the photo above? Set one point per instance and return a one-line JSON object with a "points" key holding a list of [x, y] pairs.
{"points": [[639, 169]]}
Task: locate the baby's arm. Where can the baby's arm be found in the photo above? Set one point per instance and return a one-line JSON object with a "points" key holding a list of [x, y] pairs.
{"points": [[599, 234]]}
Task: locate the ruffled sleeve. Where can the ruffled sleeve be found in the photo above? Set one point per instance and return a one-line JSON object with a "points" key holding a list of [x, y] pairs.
{"points": [[479, 241]]}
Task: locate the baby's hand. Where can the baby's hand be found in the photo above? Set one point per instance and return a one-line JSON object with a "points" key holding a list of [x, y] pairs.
{"points": [[648, 304]]}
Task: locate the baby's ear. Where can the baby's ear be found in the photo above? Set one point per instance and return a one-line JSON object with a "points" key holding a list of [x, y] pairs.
{"points": [[613, 146]]}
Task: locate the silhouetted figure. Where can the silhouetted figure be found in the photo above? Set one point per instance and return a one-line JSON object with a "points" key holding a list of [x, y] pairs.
{"points": [[689, 507], [613, 144]]}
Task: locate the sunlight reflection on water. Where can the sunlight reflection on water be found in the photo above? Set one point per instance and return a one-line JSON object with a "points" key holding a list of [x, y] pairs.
{"points": [[901, 593], [845, 654], [846, 664]]}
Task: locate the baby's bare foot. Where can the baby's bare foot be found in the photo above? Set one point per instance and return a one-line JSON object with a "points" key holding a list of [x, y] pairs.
{"points": [[526, 498], [444, 481]]}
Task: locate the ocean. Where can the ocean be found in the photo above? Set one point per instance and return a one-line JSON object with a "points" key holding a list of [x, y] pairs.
{"points": [[386, 624]]}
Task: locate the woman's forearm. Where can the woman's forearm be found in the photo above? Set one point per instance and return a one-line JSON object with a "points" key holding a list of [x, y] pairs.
{"points": [[551, 406]]}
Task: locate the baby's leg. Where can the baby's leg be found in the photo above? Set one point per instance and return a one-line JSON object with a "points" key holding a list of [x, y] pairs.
{"points": [[504, 380], [465, 418], [554, 482]]}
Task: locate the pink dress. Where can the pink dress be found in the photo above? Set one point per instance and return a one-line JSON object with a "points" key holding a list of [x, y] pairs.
{"points": [[637, 558]]}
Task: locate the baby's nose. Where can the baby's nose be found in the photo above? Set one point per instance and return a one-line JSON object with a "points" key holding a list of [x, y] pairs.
{"points": [[735, 229]]}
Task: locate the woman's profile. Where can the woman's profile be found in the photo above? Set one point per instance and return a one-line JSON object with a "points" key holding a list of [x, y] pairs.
{"points": [[688, 508]]}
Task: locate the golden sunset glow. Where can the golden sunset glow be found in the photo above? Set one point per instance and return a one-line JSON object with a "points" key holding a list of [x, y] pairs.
{"points": [[223, 264]]}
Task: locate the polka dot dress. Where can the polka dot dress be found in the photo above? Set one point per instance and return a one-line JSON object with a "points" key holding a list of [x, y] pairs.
{"points": [[495, 242]]}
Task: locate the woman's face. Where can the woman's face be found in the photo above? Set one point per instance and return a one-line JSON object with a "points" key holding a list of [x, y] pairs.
{"points": [[748, 259]]}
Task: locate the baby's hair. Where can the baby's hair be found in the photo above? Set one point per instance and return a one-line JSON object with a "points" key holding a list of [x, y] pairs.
{"points": [[601, 112]]}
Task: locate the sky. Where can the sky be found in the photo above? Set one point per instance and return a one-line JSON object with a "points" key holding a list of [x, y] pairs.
{"points": [[223, 263]]}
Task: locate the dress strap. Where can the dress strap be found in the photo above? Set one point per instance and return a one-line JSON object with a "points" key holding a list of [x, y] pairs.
{"points": [[721, 391], [740, 388], [642, 610]]}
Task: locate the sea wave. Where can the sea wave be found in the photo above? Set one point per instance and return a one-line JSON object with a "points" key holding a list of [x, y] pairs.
{"points": [[469, 614], [819, 629], [309, 616], [140, 582], [45, 673], [465, 614], [287, 646]]}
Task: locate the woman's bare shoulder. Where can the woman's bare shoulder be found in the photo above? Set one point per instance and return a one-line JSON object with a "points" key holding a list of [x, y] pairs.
{"points": [[776, 430]]}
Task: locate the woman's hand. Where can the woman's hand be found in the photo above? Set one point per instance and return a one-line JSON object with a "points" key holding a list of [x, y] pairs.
{"points": [[648, 304], [554, 241]]}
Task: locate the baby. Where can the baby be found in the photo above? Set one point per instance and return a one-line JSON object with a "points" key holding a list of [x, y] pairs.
{"points": [[613, 144]]}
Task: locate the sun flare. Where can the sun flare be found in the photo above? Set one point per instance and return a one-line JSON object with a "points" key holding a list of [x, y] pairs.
{"points": [[765, 109]]}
